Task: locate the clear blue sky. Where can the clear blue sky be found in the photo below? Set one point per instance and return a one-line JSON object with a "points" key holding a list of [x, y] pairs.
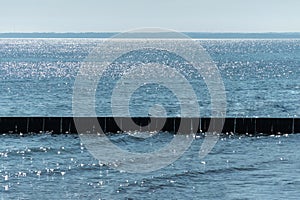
{"points": [[122, 15]]}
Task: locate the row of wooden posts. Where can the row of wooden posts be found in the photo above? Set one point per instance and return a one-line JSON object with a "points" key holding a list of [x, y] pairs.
{"points": [[59, 125]]}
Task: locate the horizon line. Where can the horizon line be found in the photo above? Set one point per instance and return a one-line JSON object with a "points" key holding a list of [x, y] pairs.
{"points": [[169, 34], [223, 32]]}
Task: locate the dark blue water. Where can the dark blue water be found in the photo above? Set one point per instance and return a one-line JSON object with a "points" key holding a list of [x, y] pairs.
{"points": [[59, 167], [261, 78]]}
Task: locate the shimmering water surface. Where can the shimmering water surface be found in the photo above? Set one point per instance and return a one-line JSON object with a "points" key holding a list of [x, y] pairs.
{"points": [[261, 78], [60, 167]]}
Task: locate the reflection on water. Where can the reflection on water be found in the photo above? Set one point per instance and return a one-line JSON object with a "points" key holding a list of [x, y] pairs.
{"points": [[59, 166], [260, 76]]}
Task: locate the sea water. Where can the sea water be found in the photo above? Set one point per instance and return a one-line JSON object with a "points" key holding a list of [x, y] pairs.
{"points": [[239, 167], [261, 78]]}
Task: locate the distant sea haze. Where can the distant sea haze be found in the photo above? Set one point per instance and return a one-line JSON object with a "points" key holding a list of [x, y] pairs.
{"points": [[196, 35]]}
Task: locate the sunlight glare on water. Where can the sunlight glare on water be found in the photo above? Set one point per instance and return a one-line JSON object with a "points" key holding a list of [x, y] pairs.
{"points": [[238, 167]]}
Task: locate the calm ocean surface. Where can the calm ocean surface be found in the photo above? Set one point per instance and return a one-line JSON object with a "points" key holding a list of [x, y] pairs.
{"points": [[59, 167], [261, 78]]}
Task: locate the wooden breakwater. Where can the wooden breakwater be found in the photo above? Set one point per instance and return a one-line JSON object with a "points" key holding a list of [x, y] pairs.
{"points": [[172, 124]]}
